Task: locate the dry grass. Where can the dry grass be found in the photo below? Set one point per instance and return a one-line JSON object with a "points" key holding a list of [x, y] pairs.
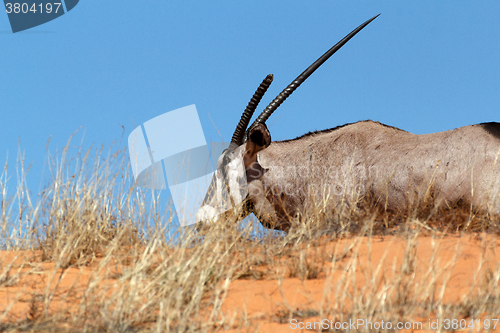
{"points": [[143, 279]]}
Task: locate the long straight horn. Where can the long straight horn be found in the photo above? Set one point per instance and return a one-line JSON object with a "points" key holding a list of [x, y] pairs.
{"points": [[302, 77], [250, 109]]}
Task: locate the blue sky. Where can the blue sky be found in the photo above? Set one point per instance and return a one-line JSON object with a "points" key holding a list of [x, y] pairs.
{"points": [[421, 66]]}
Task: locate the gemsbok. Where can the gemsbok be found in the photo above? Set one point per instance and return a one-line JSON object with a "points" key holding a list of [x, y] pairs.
{"points": [[338, 166]]}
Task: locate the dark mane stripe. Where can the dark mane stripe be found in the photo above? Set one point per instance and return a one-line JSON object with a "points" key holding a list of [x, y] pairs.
{"points": [[336, 128]]}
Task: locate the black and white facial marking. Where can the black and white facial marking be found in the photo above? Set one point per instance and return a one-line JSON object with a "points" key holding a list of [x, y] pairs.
{"points": [[228, 188]]}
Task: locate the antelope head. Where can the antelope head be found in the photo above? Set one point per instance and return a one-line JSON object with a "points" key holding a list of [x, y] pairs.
{"points": [[227, 196]]}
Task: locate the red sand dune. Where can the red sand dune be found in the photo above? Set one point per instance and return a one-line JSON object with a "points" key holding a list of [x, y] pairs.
{"points": [[261, 302]]}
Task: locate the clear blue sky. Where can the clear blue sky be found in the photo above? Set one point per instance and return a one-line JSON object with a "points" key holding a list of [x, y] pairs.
{"points": [[423, 66]]}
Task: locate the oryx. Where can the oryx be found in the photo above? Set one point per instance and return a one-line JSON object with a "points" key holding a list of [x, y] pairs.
{"points": [[339, 165]]}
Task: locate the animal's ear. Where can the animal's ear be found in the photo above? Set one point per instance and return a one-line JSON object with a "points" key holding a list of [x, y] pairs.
{"points": [[258, 139]]}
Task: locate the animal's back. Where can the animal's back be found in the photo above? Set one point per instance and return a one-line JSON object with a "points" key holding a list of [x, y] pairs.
{"points": [[395, 166]]}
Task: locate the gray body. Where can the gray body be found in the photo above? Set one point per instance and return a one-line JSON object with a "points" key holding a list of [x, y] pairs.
{"points": [[395, 167]]}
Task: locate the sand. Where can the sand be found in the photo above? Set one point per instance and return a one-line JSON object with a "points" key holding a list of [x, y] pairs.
{"points": [[272, 302]]}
